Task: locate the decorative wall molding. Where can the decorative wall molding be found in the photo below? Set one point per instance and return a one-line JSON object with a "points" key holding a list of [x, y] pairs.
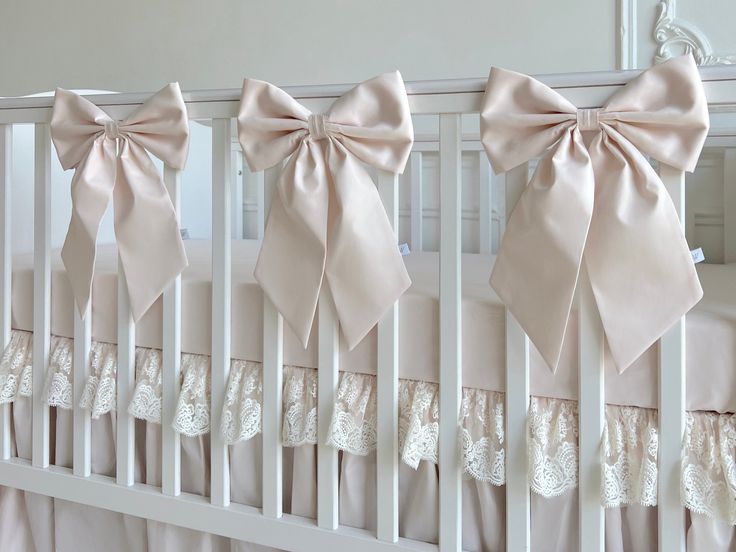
{"points": [[676, 36]]}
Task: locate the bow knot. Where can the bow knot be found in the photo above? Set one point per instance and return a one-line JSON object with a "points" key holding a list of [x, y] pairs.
{"points": [[112, 129], [316, 123], [327, 225], [600, 203], [587, 119], [114, 165]]}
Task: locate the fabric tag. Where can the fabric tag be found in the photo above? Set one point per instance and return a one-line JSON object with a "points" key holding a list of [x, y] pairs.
{"points": [[404, 249], [697, 255]]}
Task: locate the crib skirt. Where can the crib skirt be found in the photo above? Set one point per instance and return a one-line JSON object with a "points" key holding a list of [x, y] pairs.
{"points": [[31, 522]]}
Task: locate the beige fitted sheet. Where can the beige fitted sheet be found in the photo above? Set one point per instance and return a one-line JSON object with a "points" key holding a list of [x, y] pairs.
{"points": [[711, 327]]}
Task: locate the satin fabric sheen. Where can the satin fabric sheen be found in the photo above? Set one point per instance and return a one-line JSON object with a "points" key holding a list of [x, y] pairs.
{"points": [[111, 163], [595, 198], [326, 219]]}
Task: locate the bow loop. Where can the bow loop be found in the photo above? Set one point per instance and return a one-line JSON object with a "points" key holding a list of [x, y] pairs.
{"points": [[327, 222], [521, 118], [670, 127], [112, 162], [603, 202]]}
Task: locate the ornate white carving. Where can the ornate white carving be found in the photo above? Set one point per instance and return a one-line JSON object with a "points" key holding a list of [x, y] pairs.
{"points": [[676, 36]]}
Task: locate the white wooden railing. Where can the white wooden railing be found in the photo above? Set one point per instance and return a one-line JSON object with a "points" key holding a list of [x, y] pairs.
{"points": [[269, 526]]}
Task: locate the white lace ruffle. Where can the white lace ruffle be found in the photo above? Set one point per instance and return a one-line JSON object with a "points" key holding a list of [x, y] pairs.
{"points": [[629, 447], [708, 465], [16, 367], [630, 444]]}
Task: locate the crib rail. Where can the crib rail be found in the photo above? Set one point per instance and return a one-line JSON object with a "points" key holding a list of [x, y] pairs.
{"points": [[269, 525]]}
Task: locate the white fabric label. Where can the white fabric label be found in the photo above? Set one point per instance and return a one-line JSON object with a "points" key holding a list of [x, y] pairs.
{"points": [[697, 255], [404, 249]]}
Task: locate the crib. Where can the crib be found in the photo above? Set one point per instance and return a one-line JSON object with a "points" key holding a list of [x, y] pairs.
{"points": [[451, 101]]}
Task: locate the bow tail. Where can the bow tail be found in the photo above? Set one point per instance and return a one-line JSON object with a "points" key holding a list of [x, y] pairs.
{"points": [[147, 232], [364, 268], [538, 263], [92, 187], [291, 262], [638, 254]]}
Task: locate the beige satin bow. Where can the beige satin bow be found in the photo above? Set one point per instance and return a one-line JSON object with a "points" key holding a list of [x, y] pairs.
{"points": [[604, 200], [327, 218], [111, 161]]}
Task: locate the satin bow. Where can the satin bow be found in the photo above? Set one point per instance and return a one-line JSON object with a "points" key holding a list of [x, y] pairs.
{"points": [[111, 161], [595, 197], [326, 219]]}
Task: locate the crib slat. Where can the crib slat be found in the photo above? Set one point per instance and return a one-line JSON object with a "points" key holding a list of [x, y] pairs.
{"points": [[415, 173], [82, 463], [273, 362], [387, 452], [591, 412], [327, 380], [171, 368], [671, 405], [517, 405], [125, 385], [41, 293], [485, 207], [238, 180], [6, 269], [450, 332], [260, 184], [221, 281], [729, 206]]}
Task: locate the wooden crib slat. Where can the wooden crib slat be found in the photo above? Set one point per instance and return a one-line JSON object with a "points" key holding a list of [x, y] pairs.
{"points": [[327, 380], [485, 207], [171, 368], [6, 268], [222, 131], [417, 205], [273, 362], [125, 385], [517, 404], [729, 206], [450, 470], [82, 447], [591, 414], [41, 293], [258, 178], [236, 190], [671, 405], [387, 452]]}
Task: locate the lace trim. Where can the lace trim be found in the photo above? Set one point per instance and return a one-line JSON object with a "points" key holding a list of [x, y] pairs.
{"points": [[100, 391], [708, 465], [192, 415], [300, 407], [630, 444], [241, 413], [146, 401], [553, 446], [58, 389], [16, 367]]}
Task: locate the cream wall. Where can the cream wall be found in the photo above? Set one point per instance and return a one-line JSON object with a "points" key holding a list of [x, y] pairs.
{"points": [[136, 45]]}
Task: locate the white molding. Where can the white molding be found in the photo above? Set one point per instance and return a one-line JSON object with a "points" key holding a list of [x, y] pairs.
{"points": [[675, 36], [627, 35]]}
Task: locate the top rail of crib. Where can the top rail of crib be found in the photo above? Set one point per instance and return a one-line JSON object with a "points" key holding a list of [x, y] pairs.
{"points": [[587, 89]]}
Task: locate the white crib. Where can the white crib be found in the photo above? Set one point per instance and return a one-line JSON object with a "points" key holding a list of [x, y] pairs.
{"points": [[268, 526]]}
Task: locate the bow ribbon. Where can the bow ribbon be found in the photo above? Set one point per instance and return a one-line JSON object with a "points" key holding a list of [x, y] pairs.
{"points": [[327, 219], [595, 197], [111, 162]]}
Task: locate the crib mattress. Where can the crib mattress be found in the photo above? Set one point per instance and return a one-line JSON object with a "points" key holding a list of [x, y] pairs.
{"points": [[711, 327]]}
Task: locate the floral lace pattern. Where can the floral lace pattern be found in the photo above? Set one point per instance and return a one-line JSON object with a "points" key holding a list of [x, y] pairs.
{"points": [[553, 446], [241, 413], [58, 389], [16, 367], [300, 407], [708, 465], [192, 416], [100, 391], [629, 447], [146, 401], [630, 444]]}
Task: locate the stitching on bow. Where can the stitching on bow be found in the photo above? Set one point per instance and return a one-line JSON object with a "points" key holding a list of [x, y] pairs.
{"points": [[317, 128], [588, 119]]}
